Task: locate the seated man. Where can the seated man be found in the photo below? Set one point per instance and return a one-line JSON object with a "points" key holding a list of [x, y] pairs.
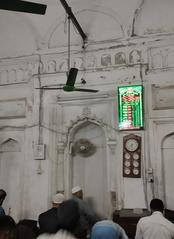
{"points": [[107, 229], [48, 219], [155, 225]]}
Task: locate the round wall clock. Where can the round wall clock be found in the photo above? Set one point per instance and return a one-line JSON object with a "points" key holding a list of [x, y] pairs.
{"points": [[127, 163], [131, 145], [135, 171], [127, 156], [136, 156], [132, 156], [135, 163], [127, 171]]}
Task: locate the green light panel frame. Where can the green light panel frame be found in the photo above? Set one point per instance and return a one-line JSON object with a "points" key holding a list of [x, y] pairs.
{"points": [[130, 105]]}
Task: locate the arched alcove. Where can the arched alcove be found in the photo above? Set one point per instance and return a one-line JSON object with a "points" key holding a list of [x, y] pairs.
{"points": [[11, 170], [167, 169], [98, 26], [89, 170], [10, 145]]}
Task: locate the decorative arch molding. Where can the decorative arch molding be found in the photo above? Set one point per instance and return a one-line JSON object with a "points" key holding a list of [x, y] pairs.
{"points": [[166, 137], [19, 71], [10, 145], [82, 120], [86, 118], [60, 21], [167, 166]]}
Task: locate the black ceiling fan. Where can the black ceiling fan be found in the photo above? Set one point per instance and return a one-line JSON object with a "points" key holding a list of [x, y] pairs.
{"points": [[23, 6], [69, 86]]}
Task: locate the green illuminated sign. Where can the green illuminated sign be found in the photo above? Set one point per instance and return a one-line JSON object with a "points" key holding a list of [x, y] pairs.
{"points": [[130, 101]]}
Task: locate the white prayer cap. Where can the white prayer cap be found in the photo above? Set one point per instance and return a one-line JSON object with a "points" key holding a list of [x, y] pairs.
{"points": [[58, 198], [76, 189]]}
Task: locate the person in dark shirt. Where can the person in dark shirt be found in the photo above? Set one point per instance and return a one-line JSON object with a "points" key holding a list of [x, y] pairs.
{"points": [[2, 197], [48, 220], [67, 220], [87, 216]]}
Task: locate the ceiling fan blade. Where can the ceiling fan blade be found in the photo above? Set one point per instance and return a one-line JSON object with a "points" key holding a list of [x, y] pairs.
{"points": [[23, 6], [85, 90], [50, 88], [72, 77]]}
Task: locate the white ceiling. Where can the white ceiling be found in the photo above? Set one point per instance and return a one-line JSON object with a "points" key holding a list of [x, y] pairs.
{"points": [[101, 20]]}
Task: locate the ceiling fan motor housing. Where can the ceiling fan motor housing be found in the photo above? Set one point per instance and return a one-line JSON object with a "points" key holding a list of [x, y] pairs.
{"points": [[72, 77], [68, 88]]}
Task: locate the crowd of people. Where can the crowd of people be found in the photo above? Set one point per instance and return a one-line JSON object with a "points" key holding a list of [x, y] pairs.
{"points": [[74, 219]]}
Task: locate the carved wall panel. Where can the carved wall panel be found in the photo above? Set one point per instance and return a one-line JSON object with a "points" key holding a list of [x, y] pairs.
{"points": [[170, 59], [15, 71], [135, 57], [163, 97], [18, 73], [120, 58], [106, 60], [12, 109], [161, 57]]}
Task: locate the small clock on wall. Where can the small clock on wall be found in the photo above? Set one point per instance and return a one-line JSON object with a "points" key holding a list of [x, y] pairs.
{"points": [[131, 144], [132, 156]]}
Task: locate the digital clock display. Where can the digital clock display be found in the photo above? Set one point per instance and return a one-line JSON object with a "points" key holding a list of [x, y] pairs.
{"points": [[130, 102]]}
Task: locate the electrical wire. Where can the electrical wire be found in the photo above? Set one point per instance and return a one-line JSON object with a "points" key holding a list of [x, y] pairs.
{"points": [[69, 42]]}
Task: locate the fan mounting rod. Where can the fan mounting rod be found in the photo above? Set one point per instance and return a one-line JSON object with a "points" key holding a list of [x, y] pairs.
{"points": [[74, 20]]}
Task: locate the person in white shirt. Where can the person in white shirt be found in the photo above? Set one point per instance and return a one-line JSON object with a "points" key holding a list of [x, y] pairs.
{"points": [[61, 234], [155, 226]]}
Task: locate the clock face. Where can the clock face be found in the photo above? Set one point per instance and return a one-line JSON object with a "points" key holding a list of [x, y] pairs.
{"points": [[127, 163], [135, 163], [131, 156], [127, 171], [131, 145], [127, 156], [135, 171], [136, 156]]}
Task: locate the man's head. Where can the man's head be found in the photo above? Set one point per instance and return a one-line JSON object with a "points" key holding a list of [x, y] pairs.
{"points": [[7, 227], [2, 196], [57, 199], [77, 192], [156, 205]]}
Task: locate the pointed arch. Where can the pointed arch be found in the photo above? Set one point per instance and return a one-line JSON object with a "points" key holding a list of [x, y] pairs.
{"points": [[10, 145]]}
